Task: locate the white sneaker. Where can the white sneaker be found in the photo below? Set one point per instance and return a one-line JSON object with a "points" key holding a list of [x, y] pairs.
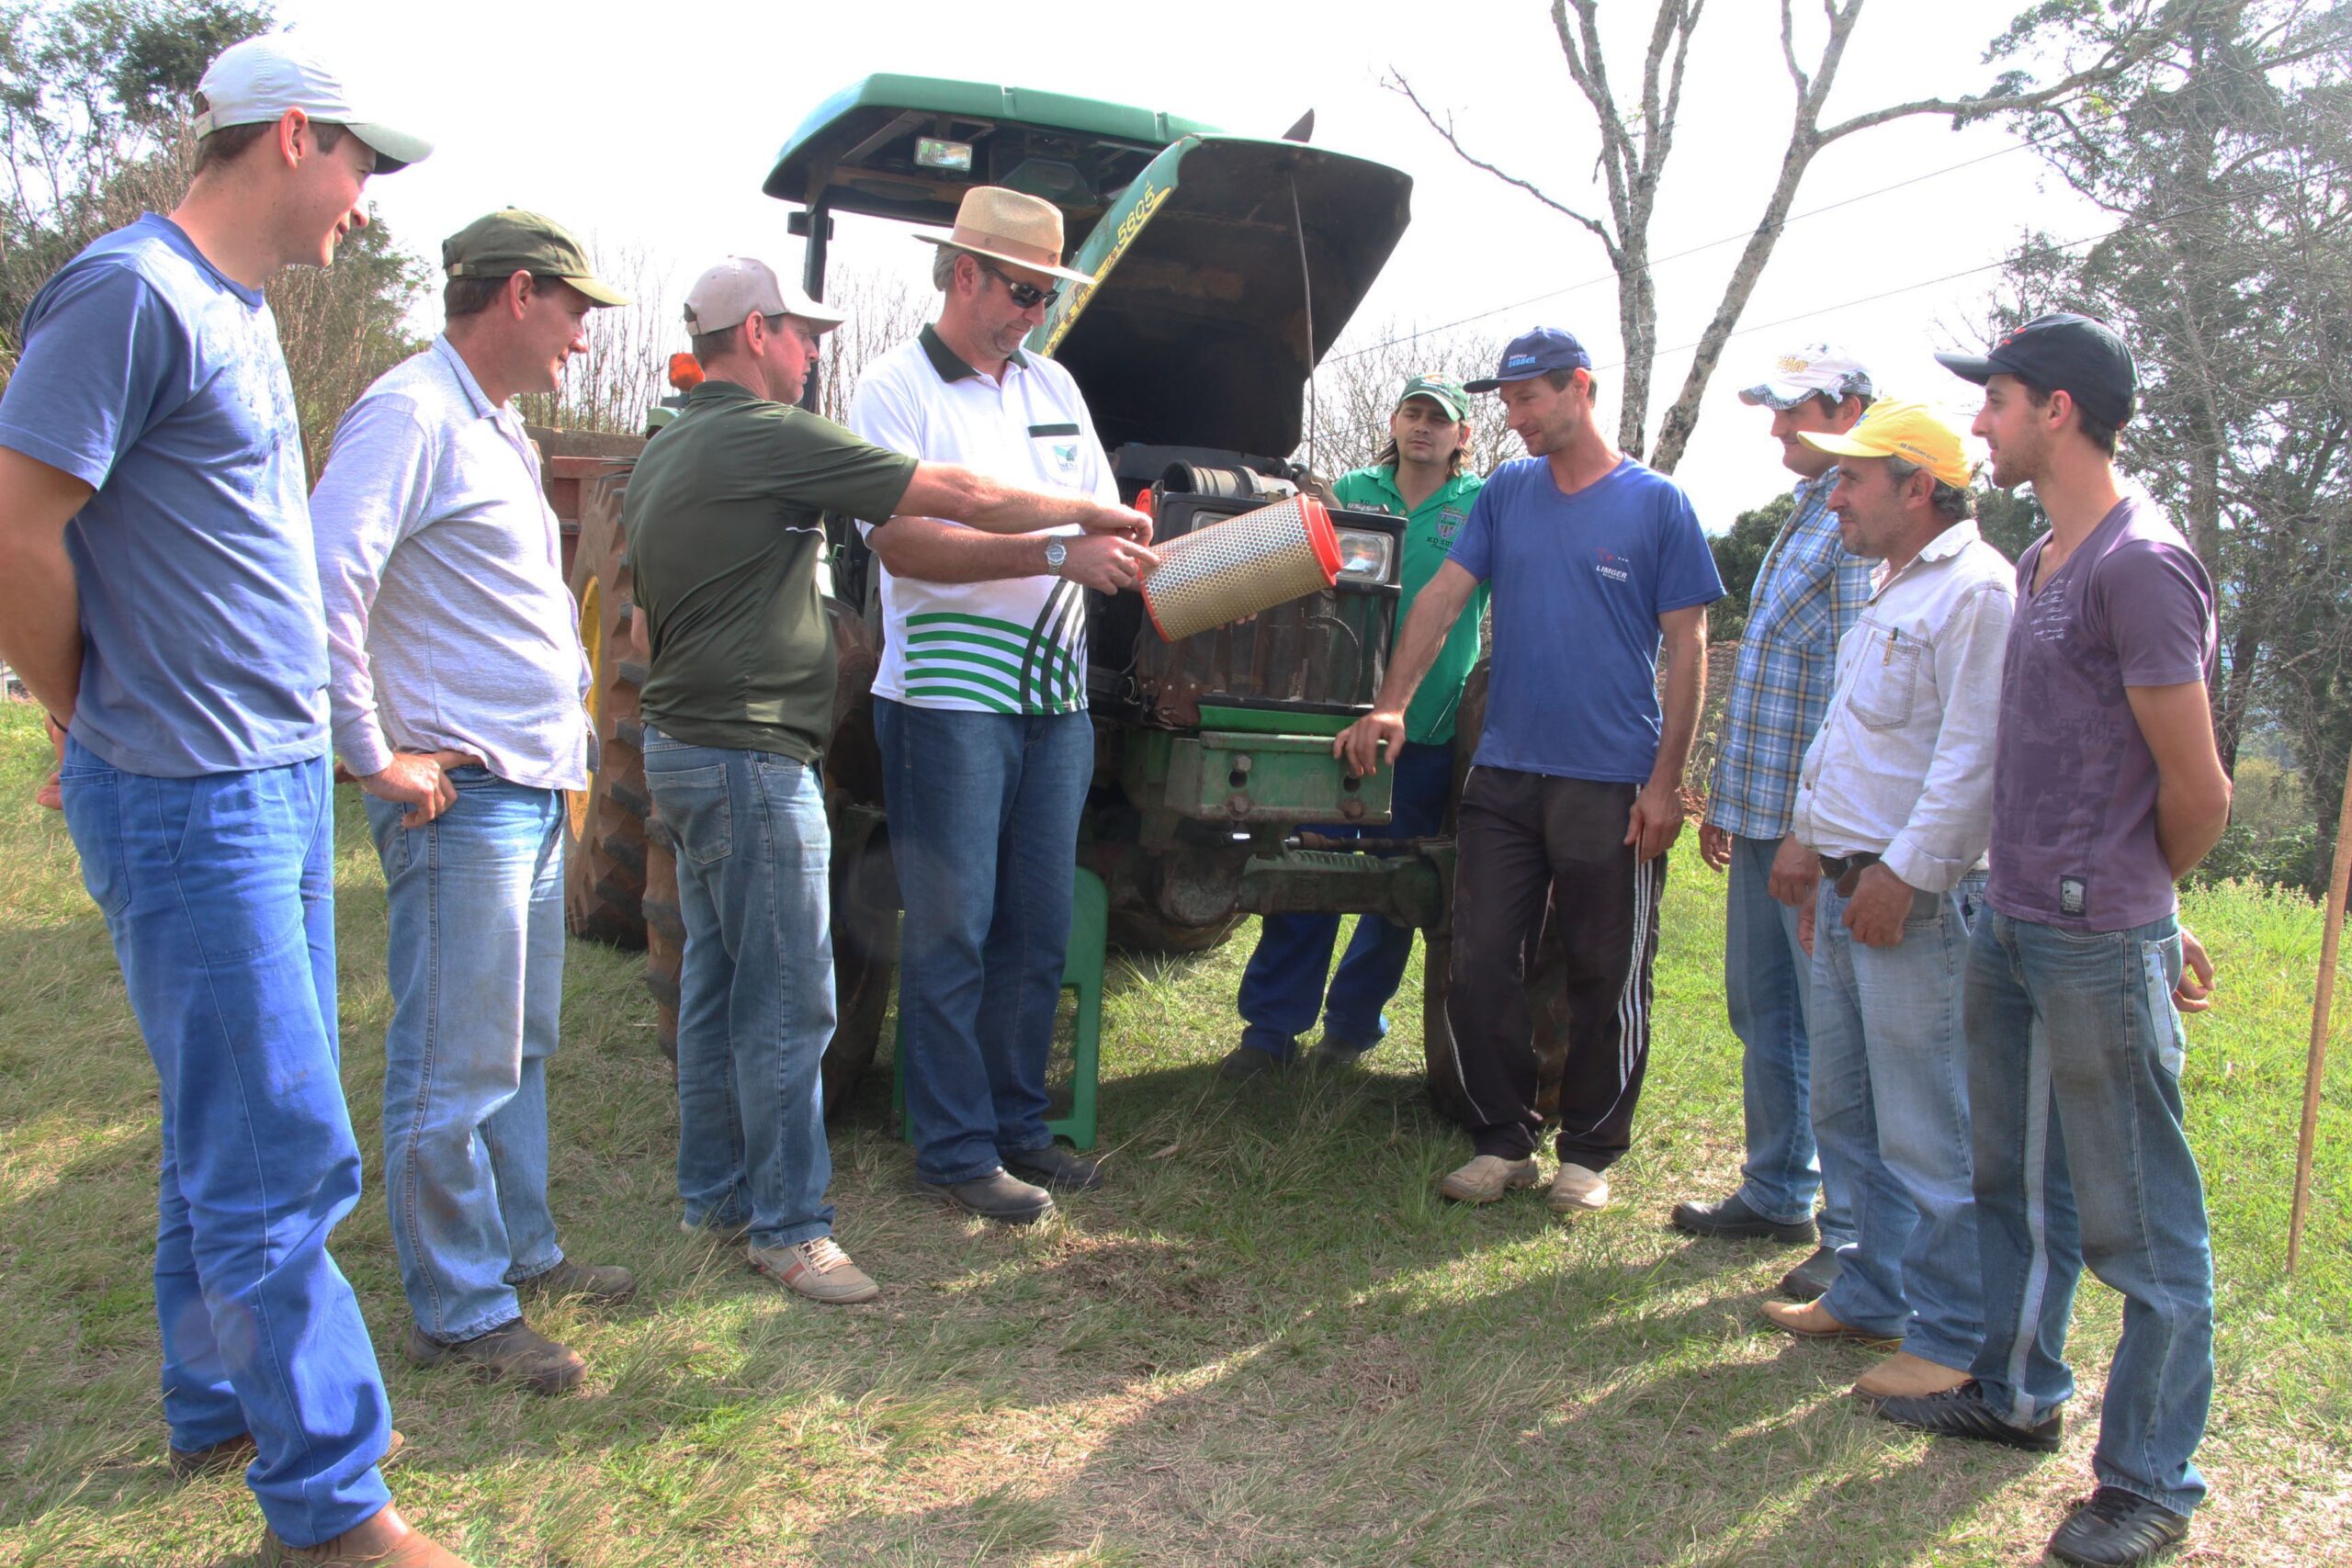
{"points": [[1576, 1191], [1487, 1177]]}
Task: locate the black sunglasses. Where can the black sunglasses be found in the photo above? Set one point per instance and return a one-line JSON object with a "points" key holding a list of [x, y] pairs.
{"points": [[1028, 296]]}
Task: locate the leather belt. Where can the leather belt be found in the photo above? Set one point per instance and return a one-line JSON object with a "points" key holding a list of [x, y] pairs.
{"points": [[1845, 872]]}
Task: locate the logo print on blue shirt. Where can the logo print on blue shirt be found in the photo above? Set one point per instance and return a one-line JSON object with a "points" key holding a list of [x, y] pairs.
{"points": [[1611, 565]]}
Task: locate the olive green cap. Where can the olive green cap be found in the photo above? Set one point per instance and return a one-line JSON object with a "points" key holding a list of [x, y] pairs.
{"points": [[1441, 390], [514, 241]]}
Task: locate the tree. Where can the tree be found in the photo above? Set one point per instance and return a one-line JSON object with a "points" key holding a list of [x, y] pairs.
{"points": [[94, 103], [1637, 139], [1354, 393], [1739, 555], [2227, 160]]}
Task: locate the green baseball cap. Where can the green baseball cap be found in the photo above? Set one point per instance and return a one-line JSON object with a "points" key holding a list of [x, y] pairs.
{"points": [[512, 240], [1446, 394]]}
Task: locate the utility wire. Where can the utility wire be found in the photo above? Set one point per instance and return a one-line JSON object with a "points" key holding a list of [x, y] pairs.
{"points": [[1650, 267]]}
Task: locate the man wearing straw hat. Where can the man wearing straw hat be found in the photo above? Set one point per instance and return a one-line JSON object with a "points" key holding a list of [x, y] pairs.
{"points": [[1893, 811], [2106, 789], [988, 748]]}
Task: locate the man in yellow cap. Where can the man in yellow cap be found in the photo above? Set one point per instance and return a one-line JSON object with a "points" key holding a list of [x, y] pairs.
{"points": [[1894, 811]]}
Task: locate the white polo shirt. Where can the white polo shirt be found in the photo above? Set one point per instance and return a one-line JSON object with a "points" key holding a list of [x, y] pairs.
{"points": [[1017, 645]]}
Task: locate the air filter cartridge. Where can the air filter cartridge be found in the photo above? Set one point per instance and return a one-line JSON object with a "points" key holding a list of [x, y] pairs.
{"points": [[1249, 562]]}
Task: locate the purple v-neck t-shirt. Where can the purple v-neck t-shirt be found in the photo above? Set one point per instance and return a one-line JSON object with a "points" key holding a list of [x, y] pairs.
{"points": [[2074, 782]]}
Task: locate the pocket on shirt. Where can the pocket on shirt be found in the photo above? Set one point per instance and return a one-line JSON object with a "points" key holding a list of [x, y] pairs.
{"points": [[1885, 685]]}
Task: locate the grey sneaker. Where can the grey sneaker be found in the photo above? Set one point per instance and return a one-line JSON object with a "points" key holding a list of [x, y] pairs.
{"points": [[1487, 1177], [816, 1269], [1333, 1055]]}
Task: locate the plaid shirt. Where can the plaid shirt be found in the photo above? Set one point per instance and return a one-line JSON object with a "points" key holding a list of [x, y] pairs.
{"points": [[1808, 593]]}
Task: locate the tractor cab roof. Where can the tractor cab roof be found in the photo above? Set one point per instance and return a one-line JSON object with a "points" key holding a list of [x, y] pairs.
{"points": [[1224, 265]]}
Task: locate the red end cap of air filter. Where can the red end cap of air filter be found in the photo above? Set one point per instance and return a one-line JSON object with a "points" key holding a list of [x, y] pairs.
{"points": [[1319, 535]]}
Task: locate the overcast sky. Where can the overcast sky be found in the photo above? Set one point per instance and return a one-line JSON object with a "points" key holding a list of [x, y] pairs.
{"points": [[643, 127]]}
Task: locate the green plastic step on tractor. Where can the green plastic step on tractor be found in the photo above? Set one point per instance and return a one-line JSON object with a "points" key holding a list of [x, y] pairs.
{"points": [[1225, 266]]}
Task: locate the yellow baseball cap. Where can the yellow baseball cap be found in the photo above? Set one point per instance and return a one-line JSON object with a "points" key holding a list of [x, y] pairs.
{"points": [[1913, 431]]}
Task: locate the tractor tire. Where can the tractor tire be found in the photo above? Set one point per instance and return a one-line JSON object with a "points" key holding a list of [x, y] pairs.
{"points": [[1547, 993], [1150, 931], [607, 863]]}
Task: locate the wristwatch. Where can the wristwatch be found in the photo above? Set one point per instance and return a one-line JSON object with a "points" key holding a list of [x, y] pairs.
{"points": [[1056, 553]]}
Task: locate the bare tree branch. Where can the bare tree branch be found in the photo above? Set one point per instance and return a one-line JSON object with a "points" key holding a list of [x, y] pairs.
{"points": [[1397, 84]]}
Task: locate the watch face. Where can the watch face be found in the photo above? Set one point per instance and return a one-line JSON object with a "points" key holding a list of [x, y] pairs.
{"points": [[1056, 552]]}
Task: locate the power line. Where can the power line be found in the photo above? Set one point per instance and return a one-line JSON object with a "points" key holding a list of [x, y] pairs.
{"points": [[1650, 267]]}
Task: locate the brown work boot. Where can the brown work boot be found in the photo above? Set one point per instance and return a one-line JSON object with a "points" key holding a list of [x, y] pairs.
{"points": [[1905, 1376], [1811, 1320], [384, 1542], [598, 1284], [235, 1453], [1486, 1178], [510, 1354]]}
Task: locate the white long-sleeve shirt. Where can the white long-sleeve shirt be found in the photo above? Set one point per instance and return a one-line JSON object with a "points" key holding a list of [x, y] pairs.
{"points": [[1903, 765], [449, 625]]}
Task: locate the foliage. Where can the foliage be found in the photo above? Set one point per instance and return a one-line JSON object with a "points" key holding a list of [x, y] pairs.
{"points": [[94, 102], [2227, 159], [1355, 391], [1739, 555]]}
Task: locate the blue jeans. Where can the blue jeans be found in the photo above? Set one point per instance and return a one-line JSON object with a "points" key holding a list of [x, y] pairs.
{"points": [[1283, 988], [755, 999], [2074, 1084], [984, 810], [476, 963], [218, 892], [1889, 1111], [1767, 981]]}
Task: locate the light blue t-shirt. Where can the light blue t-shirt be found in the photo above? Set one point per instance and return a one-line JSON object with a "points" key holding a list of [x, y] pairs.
{"points": [[1580, 583], [154, 378]]}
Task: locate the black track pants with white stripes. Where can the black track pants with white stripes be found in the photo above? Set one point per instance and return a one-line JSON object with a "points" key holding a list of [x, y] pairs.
{"points": [[1524, 835]]}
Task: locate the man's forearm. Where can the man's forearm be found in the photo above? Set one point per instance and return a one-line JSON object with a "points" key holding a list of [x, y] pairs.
{"points": [[1417, 649], [989, 504], [40, 621], [1686, 685], [2186, 830], [932, 551]]}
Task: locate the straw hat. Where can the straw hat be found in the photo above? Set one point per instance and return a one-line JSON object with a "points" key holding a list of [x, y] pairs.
{"points": [[1006, 226]]}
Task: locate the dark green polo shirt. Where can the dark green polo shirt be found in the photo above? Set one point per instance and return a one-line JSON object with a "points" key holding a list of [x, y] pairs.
{"points": [[722, 518], [1430, 529]]}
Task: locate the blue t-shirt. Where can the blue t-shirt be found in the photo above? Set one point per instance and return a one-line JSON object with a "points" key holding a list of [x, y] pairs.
{"points": [[157, 380], [1580, 583]]}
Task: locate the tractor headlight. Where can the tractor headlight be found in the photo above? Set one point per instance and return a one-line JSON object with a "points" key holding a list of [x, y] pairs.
{"points": [[1365, 556]]}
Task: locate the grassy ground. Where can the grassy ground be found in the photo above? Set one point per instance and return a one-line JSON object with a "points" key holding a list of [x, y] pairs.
{"points": [[1266, 1343]]}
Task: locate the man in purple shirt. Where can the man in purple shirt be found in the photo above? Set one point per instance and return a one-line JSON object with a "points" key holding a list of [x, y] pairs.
{"points": [[2107, 788]]}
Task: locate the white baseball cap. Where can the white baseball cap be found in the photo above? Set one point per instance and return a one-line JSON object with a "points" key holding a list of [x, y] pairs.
{"points": [[740, 286], [254, 82], [1815, 369]]}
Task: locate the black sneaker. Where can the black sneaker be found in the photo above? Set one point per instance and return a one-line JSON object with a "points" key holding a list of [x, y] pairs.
{"points": [[1732, 1217], [1809, 1280], [1964, 1412], [2112, 1527], [997, 1196], [1054, 1167], [1247, 1064]]}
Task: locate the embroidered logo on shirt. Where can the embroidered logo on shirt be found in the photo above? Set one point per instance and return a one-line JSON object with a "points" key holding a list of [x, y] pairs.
{"points": [[2073, 893], [1611, 565], [1449, 522]]}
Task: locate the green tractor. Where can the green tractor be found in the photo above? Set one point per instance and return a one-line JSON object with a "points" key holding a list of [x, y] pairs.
{"points": [[1225, 267]]}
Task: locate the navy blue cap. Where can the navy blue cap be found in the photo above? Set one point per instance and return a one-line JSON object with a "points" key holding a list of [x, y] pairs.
{"points": [[2062, 352], [1531, 354]]}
